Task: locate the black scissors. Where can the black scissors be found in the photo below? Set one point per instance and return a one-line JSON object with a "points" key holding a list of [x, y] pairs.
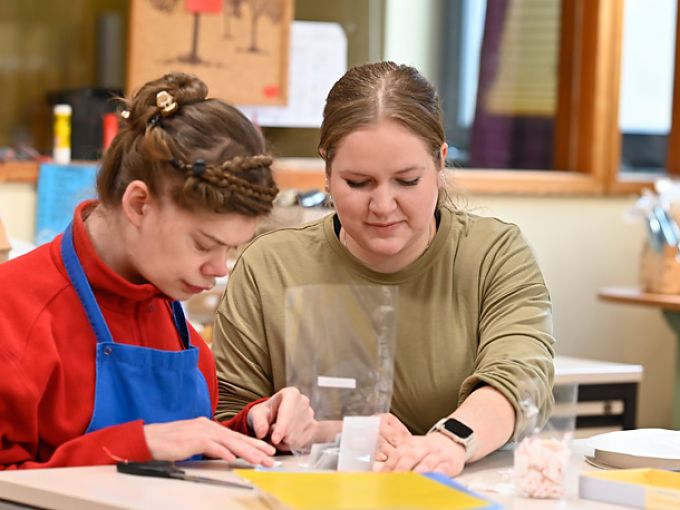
{"points": [[167, 469]]}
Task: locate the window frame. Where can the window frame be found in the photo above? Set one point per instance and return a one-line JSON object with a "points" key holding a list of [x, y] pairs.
{"points": [[587, 134]]}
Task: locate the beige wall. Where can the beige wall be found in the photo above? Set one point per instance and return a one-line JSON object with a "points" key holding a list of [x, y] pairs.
{"points": [[17, 210], [583, 244]]}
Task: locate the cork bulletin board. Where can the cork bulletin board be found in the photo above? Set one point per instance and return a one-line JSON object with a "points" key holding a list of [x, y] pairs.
{"points": [[238, 47]]}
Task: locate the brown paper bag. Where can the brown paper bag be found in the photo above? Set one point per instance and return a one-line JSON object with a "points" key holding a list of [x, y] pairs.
{"points": [[660, 270]]}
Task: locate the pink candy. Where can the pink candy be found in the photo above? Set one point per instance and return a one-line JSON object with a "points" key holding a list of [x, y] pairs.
{"points": [[541, 467]]}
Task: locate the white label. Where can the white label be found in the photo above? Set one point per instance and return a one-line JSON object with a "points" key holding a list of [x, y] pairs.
{"points": [[336, 382]]}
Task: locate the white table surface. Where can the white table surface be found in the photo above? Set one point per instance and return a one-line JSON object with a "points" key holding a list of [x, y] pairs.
{"points": [[102, 488], [492, 477], [587, 371]]}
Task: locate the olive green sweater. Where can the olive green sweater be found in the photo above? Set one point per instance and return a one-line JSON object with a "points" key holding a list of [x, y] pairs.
{"points": [[472, 310]]}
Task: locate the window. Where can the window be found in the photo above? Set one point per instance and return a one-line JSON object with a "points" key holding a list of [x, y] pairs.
{"points": [[646, 101], [500, 97], [559, 130]]}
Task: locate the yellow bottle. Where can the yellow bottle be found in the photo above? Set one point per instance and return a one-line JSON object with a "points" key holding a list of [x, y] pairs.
{"points": [[62, 134]]}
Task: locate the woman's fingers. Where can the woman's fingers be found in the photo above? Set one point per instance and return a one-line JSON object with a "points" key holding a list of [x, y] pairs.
{"points": [[180, 440], [404, 458], [433, 452], [244, 448], [392, 430], [383, 450], [392, 434], [286, 416]]}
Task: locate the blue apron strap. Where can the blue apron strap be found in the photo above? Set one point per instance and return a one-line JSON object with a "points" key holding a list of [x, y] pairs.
{"points": [[79, 280], [180, 323]]}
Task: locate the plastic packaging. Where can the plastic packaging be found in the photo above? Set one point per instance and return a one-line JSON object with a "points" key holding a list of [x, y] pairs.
{"points": [[541, 457], [340, 343]]}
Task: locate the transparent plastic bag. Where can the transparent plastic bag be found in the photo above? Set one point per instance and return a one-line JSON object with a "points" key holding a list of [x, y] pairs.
{"points": [[542, 453], [340, 343]]}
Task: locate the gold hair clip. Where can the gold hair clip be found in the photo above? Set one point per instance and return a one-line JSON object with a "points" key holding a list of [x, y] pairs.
{"points": [[166, 103]]}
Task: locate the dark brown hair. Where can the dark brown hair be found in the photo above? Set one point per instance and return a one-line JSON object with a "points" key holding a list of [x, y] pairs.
{"points": [[203, 153], [382, 90]]}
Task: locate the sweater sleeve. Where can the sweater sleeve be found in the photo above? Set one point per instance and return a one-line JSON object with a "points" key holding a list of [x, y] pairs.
{"points": [[241, 354], [20, 446], [515, 351], [239, 423]]}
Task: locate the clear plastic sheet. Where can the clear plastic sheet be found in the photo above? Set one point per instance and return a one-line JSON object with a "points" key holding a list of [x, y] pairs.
{"points": [[340, 343]]}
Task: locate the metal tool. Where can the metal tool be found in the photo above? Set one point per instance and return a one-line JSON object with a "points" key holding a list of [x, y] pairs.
{"points": [[167, 469]]}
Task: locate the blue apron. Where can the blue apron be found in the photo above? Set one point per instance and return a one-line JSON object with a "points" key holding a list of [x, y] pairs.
{"points": [[135, 382]]}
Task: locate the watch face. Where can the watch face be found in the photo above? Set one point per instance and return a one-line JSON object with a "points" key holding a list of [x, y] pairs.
{"points": [[458, 428]]}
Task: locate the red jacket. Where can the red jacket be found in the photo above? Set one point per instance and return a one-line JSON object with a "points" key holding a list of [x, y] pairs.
{"points": [[47, 357]]}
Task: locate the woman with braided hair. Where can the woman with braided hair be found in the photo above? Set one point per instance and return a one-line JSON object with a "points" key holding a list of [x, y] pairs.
{"points": [[98, 362]]}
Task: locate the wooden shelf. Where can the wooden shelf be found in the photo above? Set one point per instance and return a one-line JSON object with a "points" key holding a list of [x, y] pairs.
{"points": [[635, 296], [299, 173], [290, 173], [19, 171], [309, 173]]}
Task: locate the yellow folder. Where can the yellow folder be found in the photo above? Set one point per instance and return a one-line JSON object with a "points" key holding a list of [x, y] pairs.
{"points": [[652, 489], [358, 491]]}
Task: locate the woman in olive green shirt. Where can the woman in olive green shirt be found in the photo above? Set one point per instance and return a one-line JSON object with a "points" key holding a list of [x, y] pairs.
{"points": [[474, 328]]}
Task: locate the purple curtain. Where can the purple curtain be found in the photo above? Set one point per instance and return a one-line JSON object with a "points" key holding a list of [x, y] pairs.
{"points": [[505, 141]]}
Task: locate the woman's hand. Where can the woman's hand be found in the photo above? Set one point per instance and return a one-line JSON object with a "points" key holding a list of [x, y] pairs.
{"points": [[392, 433], [431, 453], [286, 417], [179, 440]]}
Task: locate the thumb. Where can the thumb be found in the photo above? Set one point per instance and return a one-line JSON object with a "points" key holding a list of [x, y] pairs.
{"points": [[259, 420]]}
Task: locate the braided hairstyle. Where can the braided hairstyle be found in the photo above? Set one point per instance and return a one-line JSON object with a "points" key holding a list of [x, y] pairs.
{"points": [[203, 153]]}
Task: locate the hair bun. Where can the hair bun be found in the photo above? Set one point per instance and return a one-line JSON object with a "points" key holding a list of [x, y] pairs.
{"points": [[176, 89], [186, 88]]}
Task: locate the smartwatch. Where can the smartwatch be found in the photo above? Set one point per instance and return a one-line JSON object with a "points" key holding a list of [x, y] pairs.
{"points": [[457, 431]]}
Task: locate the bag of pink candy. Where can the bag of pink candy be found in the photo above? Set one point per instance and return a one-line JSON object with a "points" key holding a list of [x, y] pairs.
{"points": [[542, 451]]}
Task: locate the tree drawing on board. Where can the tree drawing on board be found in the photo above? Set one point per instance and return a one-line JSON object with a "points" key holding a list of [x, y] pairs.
{"points": [[271, 8], [164, 5], [239, 47], [198, 7], [232, 9]]}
